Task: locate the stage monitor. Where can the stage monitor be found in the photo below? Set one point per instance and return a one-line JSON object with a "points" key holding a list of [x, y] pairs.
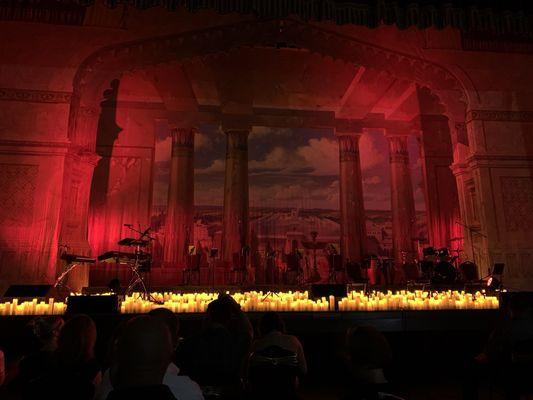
{"points": [[91, 305], [27, 291]]}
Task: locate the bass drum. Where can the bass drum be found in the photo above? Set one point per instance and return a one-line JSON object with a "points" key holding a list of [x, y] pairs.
{"points": [[444, 273]]}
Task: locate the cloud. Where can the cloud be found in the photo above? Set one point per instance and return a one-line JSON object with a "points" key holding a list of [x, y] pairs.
{"points": [[321, 154], [370, 154], [201, 141], [277, 160], [305, 194], [217, 166]]}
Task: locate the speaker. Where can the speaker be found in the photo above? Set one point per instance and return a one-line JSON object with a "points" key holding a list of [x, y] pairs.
{"points": [[328, 289], [27, 291], [91, 305]]}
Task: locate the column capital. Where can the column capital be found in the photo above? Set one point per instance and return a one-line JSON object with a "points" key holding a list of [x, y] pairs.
{"points": [[348, 146], [398, 151], [84, 155], [183, 137], [348, 133], [394, 133], [236, 141]]}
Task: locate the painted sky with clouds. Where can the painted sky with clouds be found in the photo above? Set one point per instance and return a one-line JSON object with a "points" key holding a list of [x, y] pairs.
{"points": [[287, 168]]}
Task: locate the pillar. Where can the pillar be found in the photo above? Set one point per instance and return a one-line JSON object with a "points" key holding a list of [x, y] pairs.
{"points": [[442, 202], [235, 219], [78, 175], [353, 224], [402, 200], [179, 223]]}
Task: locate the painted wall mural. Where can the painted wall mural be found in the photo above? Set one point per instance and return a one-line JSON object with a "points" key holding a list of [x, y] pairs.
{"points": [[294, 186]]}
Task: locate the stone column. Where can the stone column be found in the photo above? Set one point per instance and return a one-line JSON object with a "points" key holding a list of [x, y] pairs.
{"points": [[235, 219], [353, 224], [179, 223], [442, 204], [79, 168], [402, 199]]}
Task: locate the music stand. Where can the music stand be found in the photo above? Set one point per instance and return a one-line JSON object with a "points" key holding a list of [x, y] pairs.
{"points": [[213, 254]]}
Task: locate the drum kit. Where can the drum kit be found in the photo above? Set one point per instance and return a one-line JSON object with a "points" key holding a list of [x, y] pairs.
{"points": [[139, 260], [439, 266]]}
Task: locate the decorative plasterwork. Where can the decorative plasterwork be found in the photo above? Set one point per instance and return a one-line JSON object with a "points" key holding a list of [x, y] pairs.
{"points": [[219, 40], [498, 115], [517, 195], [34, 96]]}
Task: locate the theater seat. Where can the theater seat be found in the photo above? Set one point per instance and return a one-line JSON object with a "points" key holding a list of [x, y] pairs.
{"points": [[273, 374]]}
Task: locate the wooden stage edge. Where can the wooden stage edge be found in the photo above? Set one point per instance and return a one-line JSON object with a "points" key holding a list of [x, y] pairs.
{"points": [[330, 322]]}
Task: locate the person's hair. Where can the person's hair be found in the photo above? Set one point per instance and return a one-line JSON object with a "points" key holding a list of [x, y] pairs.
{"points": [[114, 285], [367, 347], [271, 321], [112, 343], [171, 320], [219, 311], [143, 352], [76, 341], [42, 330]]}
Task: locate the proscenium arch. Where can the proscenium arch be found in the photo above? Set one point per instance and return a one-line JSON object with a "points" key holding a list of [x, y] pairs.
{"points": [[112, 61]]}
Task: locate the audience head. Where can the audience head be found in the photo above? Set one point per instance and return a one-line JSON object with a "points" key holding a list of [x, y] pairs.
{"points": [[43, 332], [143, 352], [219, 311], [367, 347], [171, 321], [76, 341], [271, 322], [114, 285]]}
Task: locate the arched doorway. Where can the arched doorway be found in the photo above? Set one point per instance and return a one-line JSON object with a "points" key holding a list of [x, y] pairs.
{"points": [[216, 43]]}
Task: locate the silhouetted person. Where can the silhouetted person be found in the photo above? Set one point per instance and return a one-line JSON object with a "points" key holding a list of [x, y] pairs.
{"points": [[276, 362], [272, 333], [507, 355], [144, 350], [75, 370], [114, 285], [367, 354], [215, 357], [77, 367], [38, 342]]}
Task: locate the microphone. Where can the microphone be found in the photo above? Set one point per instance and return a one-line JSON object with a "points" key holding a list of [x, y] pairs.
{"points": [[128, 225]]}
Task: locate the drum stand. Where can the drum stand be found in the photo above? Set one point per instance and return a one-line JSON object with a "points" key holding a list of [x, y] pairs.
{"points": [[60, 283], [137, 279]]}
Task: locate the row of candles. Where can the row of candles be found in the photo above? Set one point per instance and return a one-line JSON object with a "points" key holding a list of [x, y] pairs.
{"points": [[33, 307], [259, 301], [249, 301], [417, 300]]}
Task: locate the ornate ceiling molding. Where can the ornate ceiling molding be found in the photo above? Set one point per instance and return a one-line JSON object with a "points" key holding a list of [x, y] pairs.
{"points": [[499, 115], [34, 96], [220, 40]]}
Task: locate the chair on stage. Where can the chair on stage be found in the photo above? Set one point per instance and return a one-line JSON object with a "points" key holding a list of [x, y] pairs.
{"points": [[191, 274], [238, 272], [335, 268]]}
